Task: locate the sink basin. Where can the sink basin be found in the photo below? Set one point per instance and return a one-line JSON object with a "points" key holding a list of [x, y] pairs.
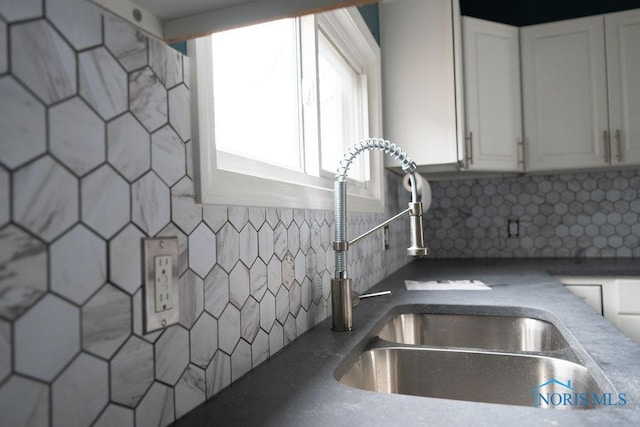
{"points": [[478, 354], [486, 332], [468, 375]]}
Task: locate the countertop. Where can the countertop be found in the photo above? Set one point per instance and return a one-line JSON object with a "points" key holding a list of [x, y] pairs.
{"points": [[297, 386]]}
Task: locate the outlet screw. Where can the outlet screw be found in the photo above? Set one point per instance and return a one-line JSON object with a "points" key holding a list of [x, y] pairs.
{"points": [[137, 15], [162, 243], [164, 322]]}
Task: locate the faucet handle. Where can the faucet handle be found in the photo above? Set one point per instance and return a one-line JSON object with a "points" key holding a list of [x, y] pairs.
{"points": [[356, 297]]}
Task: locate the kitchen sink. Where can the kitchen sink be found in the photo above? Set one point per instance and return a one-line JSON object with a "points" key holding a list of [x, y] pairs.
{"points": [[480, 354], [469, 375], [487, 332]]}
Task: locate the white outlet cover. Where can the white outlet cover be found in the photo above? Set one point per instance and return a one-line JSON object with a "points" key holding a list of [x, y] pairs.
{"points": [[163, 282], [158, 286]]}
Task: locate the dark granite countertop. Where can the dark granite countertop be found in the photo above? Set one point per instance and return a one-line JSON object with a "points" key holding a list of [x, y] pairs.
{"points": [[297, 387]]}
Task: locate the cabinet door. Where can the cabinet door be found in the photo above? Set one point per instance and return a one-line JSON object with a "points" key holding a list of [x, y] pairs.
{"points": [[623, 73], [418, 76], [565, 94], [590, 294], [493, 109], [628, 307], [628, 296]]}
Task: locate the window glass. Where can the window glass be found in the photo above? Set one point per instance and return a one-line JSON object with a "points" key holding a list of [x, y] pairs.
{"points": [[341, 109], [256, 93]]}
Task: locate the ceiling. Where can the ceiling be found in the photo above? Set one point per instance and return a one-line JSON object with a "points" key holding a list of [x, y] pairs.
{"points": [[529, 12]]}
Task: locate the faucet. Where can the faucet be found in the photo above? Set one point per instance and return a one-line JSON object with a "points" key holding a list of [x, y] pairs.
{"points": [[342, 299]]}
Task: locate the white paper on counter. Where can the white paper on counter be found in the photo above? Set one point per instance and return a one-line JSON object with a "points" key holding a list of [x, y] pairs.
{"points": [[446, 285]]}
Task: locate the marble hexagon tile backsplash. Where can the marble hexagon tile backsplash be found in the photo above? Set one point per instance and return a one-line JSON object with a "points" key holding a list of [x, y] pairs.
{"points": [[95, 154], [577, 215]]}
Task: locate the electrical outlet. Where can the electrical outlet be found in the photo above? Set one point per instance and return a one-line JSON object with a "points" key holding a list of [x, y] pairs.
{"points": [[513, 228], [385, 237], [161, 292], [163, 283]]}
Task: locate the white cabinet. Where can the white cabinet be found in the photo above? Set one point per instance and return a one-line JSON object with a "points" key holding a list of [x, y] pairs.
{"points": [[581, 91], [565, 94], [591, 294], [616, 298], [420, 79], [623, 73], [628, 317], [493, 109]]}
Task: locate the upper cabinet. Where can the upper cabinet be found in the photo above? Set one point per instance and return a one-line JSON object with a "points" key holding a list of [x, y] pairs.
{"points": [[493, 106], [565, 94], [423, 43], [581, 92], [421, 77], [558, 96], [623, 74]]}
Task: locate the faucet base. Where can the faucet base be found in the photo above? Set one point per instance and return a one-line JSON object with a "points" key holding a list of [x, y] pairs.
{"points": [[418, 252], [341, 305]]}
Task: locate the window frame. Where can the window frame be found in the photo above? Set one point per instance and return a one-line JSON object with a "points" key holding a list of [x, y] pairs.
{"points": [[219, 186]]}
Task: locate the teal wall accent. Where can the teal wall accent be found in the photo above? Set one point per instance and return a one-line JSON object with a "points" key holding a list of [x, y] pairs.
{"points": [[180, 47], [372, 18]]}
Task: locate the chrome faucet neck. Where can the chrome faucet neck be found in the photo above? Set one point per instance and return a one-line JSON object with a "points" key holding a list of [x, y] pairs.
{"points": [[341, 284]]}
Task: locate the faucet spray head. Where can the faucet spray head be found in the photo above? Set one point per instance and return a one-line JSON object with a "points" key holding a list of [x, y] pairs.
{"points": [[417, 248]]}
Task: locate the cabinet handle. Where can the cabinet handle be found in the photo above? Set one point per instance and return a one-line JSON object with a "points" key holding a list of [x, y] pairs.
{"points": [[469, 140], [619, 145], [522, 148], [607, 146]]}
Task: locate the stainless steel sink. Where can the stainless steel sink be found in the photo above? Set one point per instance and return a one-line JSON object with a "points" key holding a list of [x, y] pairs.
{"points": [[480, 354], [467, 375], [486, 332]]}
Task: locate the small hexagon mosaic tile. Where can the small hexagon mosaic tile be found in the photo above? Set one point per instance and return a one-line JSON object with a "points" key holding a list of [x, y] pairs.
{"points": [[569, 215], [96, 155]]}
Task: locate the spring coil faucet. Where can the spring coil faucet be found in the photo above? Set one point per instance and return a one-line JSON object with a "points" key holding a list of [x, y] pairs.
{"points": [[342, 298]]}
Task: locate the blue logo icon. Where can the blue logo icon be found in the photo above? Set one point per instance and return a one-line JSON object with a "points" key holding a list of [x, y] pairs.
{"points": [[557, 394]]}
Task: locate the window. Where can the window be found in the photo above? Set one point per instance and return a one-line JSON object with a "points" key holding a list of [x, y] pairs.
{"points": [[341, 110], [253, 68], [278, 103]]}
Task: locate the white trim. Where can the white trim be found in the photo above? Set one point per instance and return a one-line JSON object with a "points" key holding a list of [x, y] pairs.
{"points": [[217, 186], [337, 25], [239, 13]]}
